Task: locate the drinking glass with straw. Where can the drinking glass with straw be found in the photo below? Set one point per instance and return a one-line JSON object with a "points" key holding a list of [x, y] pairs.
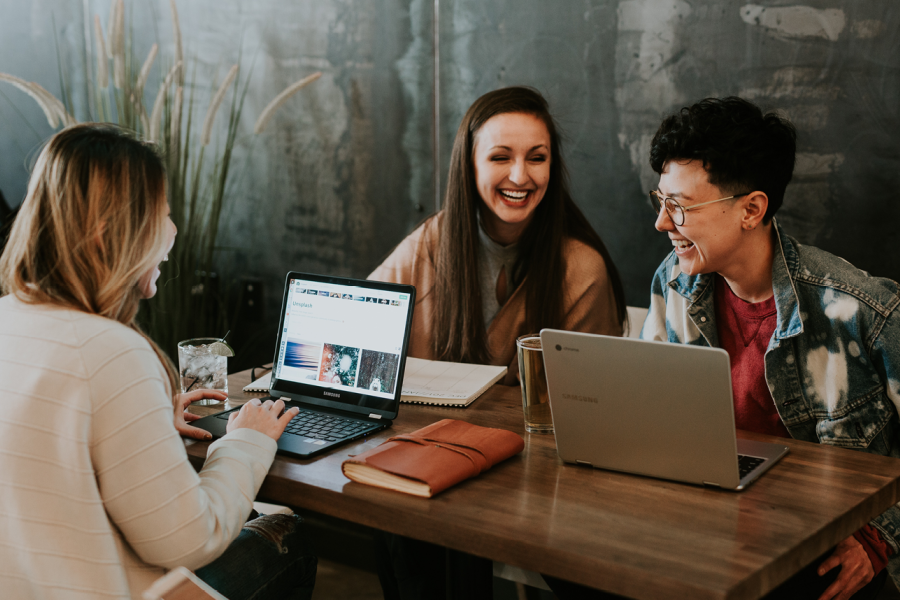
{"points": [[203, 364]]}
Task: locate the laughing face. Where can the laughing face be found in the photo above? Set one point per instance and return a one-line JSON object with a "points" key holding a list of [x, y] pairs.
{"points": [[512, 170], [710, 239]]}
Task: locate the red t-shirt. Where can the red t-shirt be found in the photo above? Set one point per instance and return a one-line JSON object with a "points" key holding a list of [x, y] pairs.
{"points": [[744, 330]]}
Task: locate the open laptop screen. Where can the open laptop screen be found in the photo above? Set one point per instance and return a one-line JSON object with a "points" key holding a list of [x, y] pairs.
{"points": [[343, 341]]}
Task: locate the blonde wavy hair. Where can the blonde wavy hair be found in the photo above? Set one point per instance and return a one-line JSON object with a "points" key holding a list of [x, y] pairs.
{"points": [[93, 222]]}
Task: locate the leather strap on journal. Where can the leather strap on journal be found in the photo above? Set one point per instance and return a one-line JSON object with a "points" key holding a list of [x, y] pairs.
{"points": [[442, 454], [479, 461]]}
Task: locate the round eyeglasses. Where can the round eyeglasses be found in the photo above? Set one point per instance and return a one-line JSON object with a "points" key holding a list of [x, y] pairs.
{"points": [[675, 210]]}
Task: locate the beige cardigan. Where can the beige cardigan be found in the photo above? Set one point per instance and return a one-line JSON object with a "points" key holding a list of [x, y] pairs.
{"points": [[97, 497], [589, 303]]}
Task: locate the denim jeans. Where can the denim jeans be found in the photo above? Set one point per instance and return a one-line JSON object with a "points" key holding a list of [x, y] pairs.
{"points": [[271, 559]]}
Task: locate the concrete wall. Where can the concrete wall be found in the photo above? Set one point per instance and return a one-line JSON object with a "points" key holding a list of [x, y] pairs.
{"points": [[612, 69], [346, 169]]}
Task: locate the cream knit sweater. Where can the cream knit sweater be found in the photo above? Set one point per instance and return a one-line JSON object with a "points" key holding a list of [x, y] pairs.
{"points": [[97, 497]]}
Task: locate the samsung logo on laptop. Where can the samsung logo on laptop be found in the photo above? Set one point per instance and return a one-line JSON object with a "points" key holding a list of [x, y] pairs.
{"points": [[332, 394], [578, 398]]}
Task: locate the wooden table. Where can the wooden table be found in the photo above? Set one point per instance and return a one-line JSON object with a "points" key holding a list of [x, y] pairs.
{"points": [[635, 536]]}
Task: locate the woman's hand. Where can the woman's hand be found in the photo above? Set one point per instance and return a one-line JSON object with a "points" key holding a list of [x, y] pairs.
{"points": [[183, 401], [265, 417]]}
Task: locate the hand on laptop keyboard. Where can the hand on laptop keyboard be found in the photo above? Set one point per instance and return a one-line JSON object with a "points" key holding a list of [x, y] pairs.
{"points": [[267, 417], [183, 401]]}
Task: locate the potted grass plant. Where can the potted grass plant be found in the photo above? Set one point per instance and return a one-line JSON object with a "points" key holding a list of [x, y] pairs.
{"points": [[190, 301]]}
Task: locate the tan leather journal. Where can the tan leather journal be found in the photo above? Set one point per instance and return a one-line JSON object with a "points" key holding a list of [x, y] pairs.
{"points": [[430, 460]]}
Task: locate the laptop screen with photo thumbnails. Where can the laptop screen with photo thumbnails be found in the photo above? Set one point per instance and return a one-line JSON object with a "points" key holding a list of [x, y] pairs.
{"points": [[342, 342]]}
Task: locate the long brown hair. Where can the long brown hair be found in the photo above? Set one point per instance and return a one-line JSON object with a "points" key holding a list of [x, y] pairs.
{"points": [[460, 331], [92, 223]]}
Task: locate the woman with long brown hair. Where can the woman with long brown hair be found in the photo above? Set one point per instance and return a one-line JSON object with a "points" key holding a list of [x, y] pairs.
{"points": [[97, 497], [510, 253]]}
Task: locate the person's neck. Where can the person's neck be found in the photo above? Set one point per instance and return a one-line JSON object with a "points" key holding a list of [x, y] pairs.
{"points": [[751, 277], [499, 231]]}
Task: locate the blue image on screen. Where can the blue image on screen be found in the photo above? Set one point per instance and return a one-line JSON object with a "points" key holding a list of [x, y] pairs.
{"points": [[302, 355]]}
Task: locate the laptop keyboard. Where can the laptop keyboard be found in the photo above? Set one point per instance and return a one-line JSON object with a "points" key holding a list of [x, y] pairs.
{"points": [[748, 463], [322, 426]]}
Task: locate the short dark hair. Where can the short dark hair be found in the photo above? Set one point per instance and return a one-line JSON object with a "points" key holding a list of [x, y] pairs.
{"points": [[742, 149]]}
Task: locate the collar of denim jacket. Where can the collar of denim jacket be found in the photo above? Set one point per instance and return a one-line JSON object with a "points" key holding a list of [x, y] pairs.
{"points": [[785, 266]]}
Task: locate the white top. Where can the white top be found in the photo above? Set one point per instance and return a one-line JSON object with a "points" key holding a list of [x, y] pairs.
{"points": [[97, 497]]}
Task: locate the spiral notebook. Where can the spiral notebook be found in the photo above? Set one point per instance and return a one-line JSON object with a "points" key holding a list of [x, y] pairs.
{"points": [[444, 383], [260, 386], [435, 382]]}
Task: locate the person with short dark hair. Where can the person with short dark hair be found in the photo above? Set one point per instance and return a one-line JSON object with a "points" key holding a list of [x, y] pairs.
{"points": [[814, 342]]}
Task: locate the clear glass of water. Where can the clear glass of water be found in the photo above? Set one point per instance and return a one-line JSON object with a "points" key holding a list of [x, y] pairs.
{"points": [[535, 397], [200, 368]]}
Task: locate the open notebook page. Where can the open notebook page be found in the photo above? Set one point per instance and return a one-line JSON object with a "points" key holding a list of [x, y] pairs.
{"points": [[447, 383]]}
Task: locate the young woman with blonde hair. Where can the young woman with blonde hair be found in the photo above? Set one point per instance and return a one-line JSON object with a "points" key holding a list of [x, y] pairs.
{"points": [[97, 497]]}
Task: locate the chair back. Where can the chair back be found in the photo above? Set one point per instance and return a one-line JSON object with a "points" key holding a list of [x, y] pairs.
{"points": [[636, 317]]}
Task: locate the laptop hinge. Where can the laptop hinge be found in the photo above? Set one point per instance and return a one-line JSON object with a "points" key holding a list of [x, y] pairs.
{"points": [[583, 462], [374, 416], [711, 484]]}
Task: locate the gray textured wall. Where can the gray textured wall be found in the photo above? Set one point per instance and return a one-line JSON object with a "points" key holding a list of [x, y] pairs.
{"points": [[346, 169], [612, 69]]}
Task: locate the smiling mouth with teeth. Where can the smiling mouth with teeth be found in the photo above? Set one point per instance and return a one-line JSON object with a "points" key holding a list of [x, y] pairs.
{"points": [[682, 244], [514, 195]]}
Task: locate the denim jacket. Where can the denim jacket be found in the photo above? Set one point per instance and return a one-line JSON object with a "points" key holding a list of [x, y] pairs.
{"points": [[833, 363]]}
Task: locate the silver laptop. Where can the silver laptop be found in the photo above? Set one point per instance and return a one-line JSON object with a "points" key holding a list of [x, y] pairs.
{"points": [[649, 408]]}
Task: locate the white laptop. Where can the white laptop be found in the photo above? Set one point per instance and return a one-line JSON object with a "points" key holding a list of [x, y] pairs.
{"points": [[650, 408]]}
